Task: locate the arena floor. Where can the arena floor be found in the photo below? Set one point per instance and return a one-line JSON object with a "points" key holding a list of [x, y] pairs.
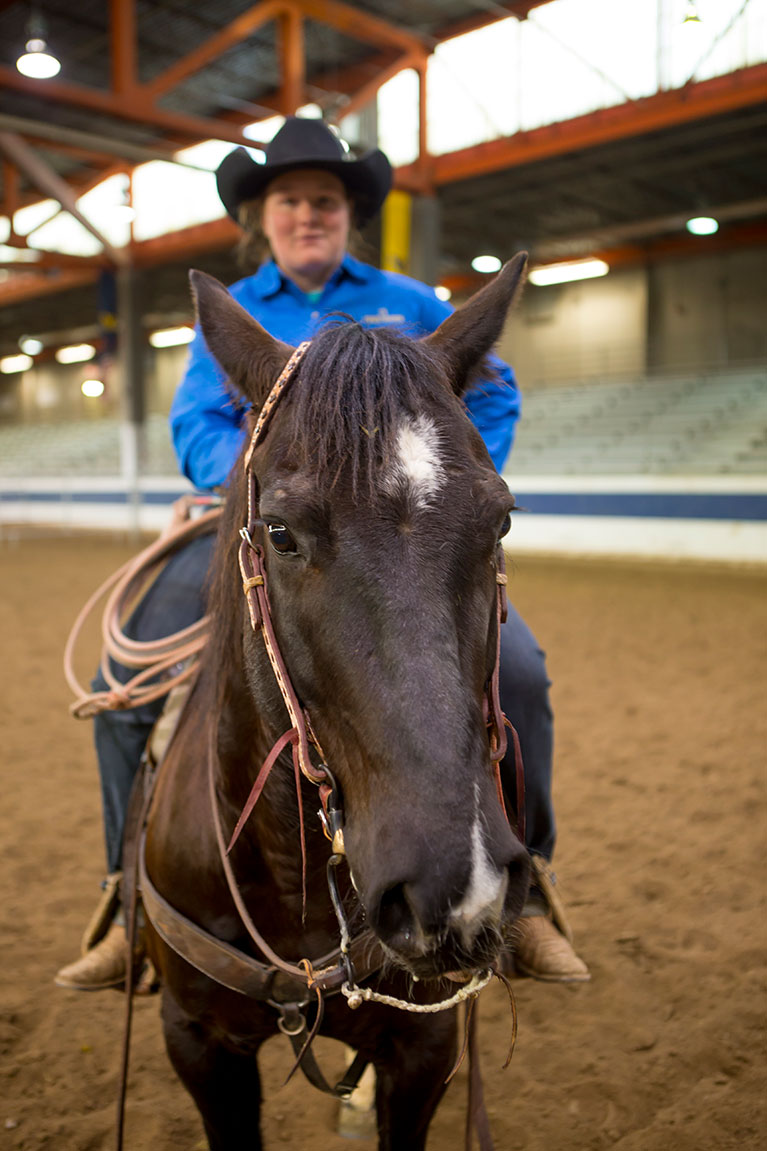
{"points": [[658, 677]]}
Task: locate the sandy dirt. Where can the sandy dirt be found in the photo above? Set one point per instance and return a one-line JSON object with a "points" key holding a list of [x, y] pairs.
{"points": [[658, 677]]}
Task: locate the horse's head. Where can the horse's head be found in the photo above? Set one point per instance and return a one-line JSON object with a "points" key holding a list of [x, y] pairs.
{"points": [[382, 517]]}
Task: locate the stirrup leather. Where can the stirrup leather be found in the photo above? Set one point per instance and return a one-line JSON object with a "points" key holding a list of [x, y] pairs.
{"points": [[544, 878], [102, 917]]}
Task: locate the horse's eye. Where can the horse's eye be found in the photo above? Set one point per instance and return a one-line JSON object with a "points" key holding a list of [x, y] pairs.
{"points": [[505, 526], [281, 539]]}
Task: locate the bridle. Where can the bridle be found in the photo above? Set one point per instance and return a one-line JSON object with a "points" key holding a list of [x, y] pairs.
{"points": [[301, 733]]}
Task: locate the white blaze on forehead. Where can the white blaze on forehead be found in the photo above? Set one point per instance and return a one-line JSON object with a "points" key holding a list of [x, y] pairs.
{"points": [[416, 466], [487, 885]]}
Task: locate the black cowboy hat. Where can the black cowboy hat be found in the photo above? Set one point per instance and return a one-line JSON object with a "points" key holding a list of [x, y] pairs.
{"points": [[302, 143]]}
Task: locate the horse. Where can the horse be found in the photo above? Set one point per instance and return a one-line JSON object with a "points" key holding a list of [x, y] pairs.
{"points": [[355, 611]]}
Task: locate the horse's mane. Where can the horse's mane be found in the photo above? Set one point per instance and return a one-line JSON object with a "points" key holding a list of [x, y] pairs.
{"points": [[353, 386]]}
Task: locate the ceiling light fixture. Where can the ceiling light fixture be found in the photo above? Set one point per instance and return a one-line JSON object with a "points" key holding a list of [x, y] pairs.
{"points": [[702, 225], [568, 271], [37, 62], [691, 14], [92, 388], [30, 345], [171, 337], [75, 353], [11, 364], [486, 264], [442, 293]]}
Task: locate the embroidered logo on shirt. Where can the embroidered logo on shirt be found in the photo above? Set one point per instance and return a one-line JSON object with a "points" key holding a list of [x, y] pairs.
{"points": [[383, 316]]}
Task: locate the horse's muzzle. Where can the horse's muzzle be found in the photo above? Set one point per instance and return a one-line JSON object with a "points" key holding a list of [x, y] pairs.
{"points": [[431, 933]]}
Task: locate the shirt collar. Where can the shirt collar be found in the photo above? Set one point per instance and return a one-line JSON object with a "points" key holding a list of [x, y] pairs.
{"points": [[269, 280], [355, 269]]}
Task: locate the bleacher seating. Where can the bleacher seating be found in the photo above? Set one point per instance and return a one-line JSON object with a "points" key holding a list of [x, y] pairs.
{"points": [[84, 448], [694, 424]]}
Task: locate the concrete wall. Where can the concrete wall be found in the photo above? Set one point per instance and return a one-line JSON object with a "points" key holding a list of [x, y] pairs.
{"points": [[166, 370], [671, 316], [711, 310], [586, 329], [51, 391]]}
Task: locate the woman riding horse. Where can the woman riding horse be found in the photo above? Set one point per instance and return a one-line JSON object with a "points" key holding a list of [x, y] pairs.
{"points": [[300, 205]]}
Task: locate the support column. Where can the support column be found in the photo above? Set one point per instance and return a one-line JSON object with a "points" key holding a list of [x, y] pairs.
{"points": [[424, 239], [131, 359]]}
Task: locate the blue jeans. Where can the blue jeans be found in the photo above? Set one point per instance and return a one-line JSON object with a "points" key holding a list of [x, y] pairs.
{"points": [[177, 598], [524, 690]]}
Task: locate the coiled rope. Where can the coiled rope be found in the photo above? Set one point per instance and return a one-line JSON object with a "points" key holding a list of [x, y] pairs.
{"points": [[161, 664]]}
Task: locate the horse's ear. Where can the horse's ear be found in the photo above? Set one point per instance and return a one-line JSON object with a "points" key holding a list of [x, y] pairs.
{"points": [[251, 358], [471, 331]]}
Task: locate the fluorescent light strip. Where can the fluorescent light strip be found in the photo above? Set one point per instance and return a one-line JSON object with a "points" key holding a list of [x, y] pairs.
{"points": [[11, 364], [566, 272], [75, 353], [171, 337]]}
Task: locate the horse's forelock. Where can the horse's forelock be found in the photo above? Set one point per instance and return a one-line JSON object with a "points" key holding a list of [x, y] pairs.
{"points": [[354, 387]]}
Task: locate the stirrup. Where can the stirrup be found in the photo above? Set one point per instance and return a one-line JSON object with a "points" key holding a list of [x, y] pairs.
{"points": [[105, 912]]}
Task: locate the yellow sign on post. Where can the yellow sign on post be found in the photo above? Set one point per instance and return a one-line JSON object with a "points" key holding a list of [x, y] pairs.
{"points": [[395, 232]]}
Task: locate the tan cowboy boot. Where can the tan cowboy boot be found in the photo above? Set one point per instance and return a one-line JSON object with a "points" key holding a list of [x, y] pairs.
{"points": [[101, 967], [541, 951], [104, 950]]}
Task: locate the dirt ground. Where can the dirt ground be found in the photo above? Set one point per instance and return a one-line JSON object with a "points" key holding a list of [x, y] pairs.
{"points": [[659, 696]]}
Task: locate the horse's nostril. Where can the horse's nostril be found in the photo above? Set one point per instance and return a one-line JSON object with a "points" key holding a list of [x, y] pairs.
{"points": [[393, 917]]}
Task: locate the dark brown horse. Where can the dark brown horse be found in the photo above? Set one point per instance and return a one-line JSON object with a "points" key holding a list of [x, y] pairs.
{"points": [[368, 521]]}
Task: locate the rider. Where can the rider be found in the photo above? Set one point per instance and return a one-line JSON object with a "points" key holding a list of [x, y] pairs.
{"points": [[297, 210]]}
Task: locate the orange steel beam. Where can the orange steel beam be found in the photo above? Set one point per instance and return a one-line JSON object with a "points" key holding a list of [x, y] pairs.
{"points": [[367, 91], [423, 133], [519, 8], [684, 245], [55, 260], [697, 101], [359, 25], [90, 156], [123, 43], [138, 109], [239, 29], [291, 51], [30, 286]]}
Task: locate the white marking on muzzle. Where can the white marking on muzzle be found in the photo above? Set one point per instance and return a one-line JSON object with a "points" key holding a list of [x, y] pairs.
{"points": [[487, 885], [416, 467]]}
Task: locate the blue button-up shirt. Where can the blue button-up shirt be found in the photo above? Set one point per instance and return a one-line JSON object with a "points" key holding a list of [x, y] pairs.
{"points": [[206, 425]]}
